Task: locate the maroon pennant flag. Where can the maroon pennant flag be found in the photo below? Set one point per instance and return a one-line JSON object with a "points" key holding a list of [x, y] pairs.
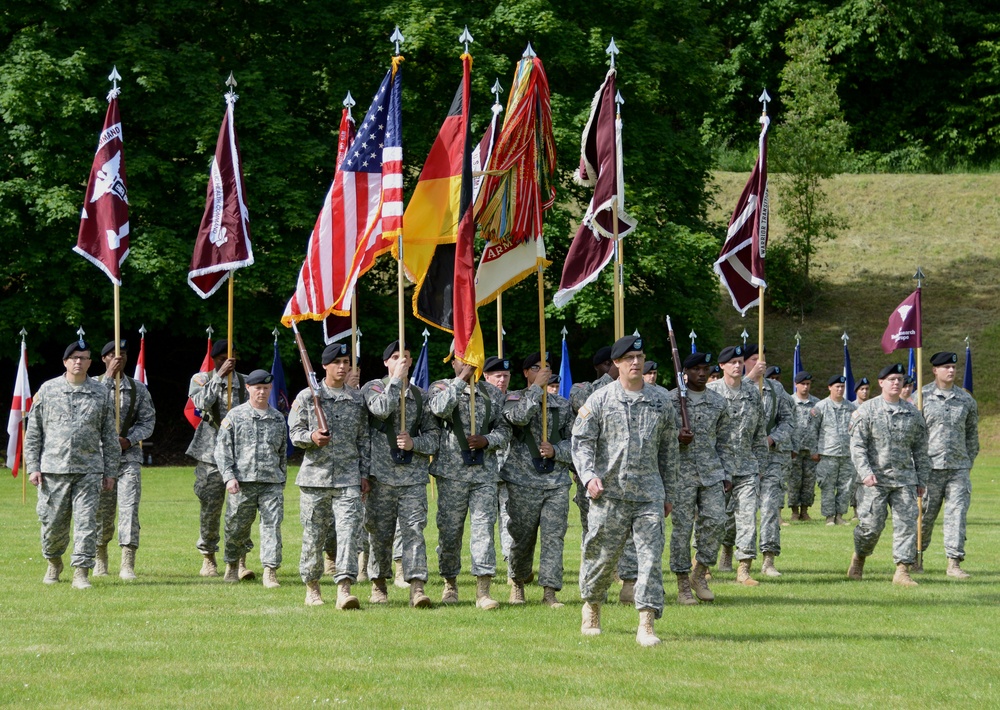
{"points": [[103, 236], [903, 330], [223, 242]]}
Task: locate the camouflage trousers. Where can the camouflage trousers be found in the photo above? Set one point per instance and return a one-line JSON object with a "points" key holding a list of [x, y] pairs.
{"points": [[398, 512], [772, 497], [741, 517], [125, 498], [64, 498], [628, 564], [708, 504], [456, 500], [363, 541], [241, 509], [211, 492], [873, 504], [836, 476], [953, 487], [504, 519], [319, 510], [609, 524], [541, 511], [802, 476]]}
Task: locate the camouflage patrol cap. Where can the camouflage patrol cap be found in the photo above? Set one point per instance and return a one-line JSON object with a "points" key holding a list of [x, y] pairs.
{"points": [[695, 359], [259, 377], [731, 353], [333, 351], [943, 358]]}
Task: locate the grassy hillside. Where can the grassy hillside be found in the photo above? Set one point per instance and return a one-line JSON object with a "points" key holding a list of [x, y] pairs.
{"points": [[947, 224]]}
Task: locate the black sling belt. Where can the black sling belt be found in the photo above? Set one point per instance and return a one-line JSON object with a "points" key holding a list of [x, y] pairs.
{"points": [[542, 464], [471, 457], [400, 456], [133, 410]]}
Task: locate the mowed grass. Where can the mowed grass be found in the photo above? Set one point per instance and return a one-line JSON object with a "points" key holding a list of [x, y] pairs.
{"points": [[810, 638]]}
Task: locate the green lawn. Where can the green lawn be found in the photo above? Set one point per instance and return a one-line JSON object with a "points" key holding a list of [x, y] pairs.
{"points": [[811, 638]]}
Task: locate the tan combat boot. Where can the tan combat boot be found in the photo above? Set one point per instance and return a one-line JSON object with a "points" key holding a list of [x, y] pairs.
{"points": [[645, 636], [450, 593], [699, 583], [363, 567], [418, 600], [591, 625], [549, 598], [80, 580], [379, 595], [232, 573], [804, 513], [743, 574], [831, 520], [346, 600], [684, 595], [954, 569], [918, 566], [243, 572], [101, 561], [516, 592], [795, 513], [398, 581], [768, 567], [271, 578], [627, 595], [839, 520], [483, 598], [54, 570], [313, 595], [209, 568], [726, 559], [857, 568], [902, 576], [329, 564], [127, 571]]}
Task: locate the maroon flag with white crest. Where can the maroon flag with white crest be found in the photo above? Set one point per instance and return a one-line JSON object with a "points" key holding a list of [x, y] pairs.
{"points": [[903, 330]]}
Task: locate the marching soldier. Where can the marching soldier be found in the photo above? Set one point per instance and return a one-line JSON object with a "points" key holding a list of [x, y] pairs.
{"points": [[649, 372], [831, 419], [802, 469], [862, 391], [496, 371]]}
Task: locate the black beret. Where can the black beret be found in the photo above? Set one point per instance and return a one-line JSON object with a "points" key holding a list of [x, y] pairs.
{"points": [[109, 347], [220, 347], [259, 377], [391, 348], [803, 376], [628, 344], [602, 355], [534, 359], [772, 370], [76, 345], [730, 353], [752, 349], [896, 369], [863, 382], [333, 351], [649, 367], [938, 359], [554, 380], [909, 380], [695, 359], [836, 380], [715, 369], [495, 364]]}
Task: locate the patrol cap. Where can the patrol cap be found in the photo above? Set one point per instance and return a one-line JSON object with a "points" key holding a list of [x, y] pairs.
{"points": [[730, 353], [773, 370], [109, 347], [602, 355], [534, 359], [391, 348], [220, 347], [623, 346], [259, 377], [836, 380], [943, 358], [803, 376], [752, 349], [333, 351], [495, 364], [650, 366], [695, 359], [896, 369], [76, 346], [863, 382]]}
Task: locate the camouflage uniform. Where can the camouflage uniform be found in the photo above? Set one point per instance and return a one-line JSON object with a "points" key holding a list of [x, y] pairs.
{"points": [[628, 440], [837, 477], [70, 438], [780, 426], [802, 469], [747, 444], [138, 417], [704, 466], [952, 418], [465, 489], [397, 500], [250, 448], [209, 392], [329, 480], [538, 502], [889, 441]]}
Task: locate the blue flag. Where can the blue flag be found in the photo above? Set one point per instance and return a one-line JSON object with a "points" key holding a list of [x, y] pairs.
{"points": [[911, 369], [279, 390], [565, 376], [421, 377], [797, 362], [848, 374], [967, 380]]}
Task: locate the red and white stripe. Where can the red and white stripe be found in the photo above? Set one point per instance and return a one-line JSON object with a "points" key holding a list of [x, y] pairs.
{"points": [[19, 408]]}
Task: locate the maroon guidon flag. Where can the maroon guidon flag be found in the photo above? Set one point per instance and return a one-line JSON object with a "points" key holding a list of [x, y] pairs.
{"points": [[103, 236], [903, 330], [223, 242], [740, 265]]}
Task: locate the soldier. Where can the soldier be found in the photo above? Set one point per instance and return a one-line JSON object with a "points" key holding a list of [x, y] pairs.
{"points": [[537, 477], [250, 451], [213, 397], [715, 373], [862, 391], [553, 386], [397, 499], [496, 371], [889, 451], [71, 452], [137, 419], [749, 454], [649, 372], [952, 418], [625, 452], [802, 469], [701, 483], [773, 373], [830, 420], [467, 470], [333, 476]]}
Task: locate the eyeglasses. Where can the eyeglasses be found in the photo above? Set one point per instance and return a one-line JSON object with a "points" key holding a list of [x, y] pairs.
{"points": [[79, 358]]}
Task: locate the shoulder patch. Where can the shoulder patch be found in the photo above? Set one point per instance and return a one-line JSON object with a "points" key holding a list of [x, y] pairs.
{"points": [[814, 412], [577, 385], [441, 385], [584, 412], [226, 423], [377, 387], [513, 397]]}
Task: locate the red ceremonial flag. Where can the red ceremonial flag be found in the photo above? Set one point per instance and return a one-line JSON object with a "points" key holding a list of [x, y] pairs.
{"points": [[140, 363], [223, 241], [104, 230], [740, 265], [19, 407], [903, 330], [191, 413], [600, 167]]}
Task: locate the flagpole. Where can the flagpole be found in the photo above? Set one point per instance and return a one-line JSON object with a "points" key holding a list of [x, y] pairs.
{"points": [[619, 291], [229, 341], [760, 332], [24, 465], [919, 276], [354, 329], [500, 325], [397, 38], [118, 352], [541, 352]]}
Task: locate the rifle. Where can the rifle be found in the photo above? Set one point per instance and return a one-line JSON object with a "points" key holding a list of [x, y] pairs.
{"points": [[682, 389], [324, 428]]}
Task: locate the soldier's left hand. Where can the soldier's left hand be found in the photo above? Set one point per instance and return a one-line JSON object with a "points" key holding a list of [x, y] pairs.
{"points": [[546, 450], [477, 441], [815, 457], [115, 366], [667, 509], [233, 486], [365, 487], [404, 442], [686, 436], [542, 377], [770, 443], [920, 491], [353, 378], [108, 484], [124, 443]]}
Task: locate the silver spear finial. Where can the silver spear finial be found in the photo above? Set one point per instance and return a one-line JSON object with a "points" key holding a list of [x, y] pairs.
{"points": [[465, 38], [398, 38], [612, 50]]}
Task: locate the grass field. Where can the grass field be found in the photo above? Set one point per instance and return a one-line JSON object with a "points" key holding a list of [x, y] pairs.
{"points": [[811, 638]]}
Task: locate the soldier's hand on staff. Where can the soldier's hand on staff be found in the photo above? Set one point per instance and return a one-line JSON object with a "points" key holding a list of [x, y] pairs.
{"points": [[770, 443], [541, 377], [815, 457], [595, 488], [115, 366], [869, 480], [404, 442], [401, 368], [758, 369], [794, 455], [108, 484], [920, 491], [466, 374], [353, 378], [477, 441], [320, 439], [546, 450], [35, 478], [727, 486], [365, 487], [124, 443], [685, 436], [668, 508], [227, 367], [233, 486]]}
